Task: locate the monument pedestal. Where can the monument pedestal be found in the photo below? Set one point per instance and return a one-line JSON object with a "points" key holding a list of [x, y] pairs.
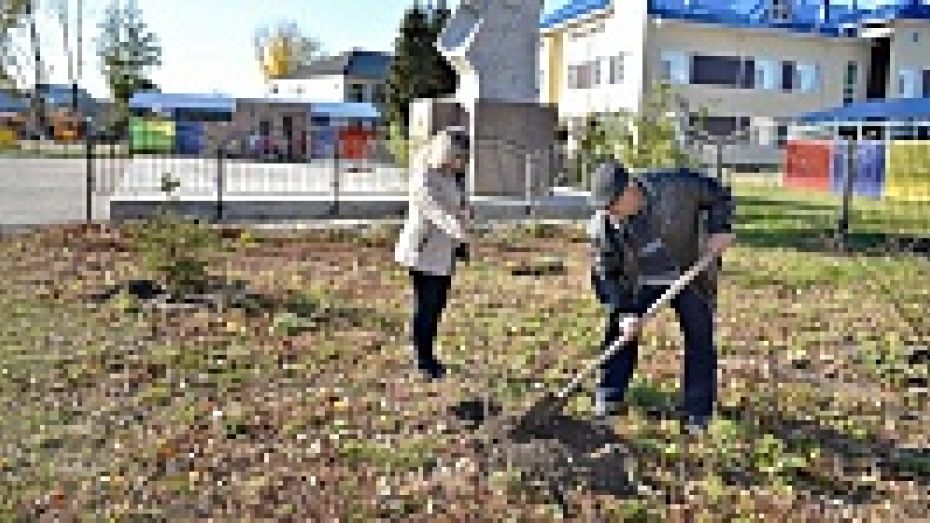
{"points": [[512, 152]]}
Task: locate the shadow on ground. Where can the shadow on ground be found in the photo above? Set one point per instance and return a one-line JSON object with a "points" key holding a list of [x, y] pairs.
{"points": [[571, 452]]}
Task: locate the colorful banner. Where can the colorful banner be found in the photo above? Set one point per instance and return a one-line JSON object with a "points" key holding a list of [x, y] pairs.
{"points": [[807, 164], [870, 167], [908, 166], [152, 135]]}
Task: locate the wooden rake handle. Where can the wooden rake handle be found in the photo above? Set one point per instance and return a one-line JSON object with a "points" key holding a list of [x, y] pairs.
{"points": [[621, 340]]}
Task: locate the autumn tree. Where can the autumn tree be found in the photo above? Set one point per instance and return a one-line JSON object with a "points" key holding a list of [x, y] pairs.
{"points": [[283, 49]]}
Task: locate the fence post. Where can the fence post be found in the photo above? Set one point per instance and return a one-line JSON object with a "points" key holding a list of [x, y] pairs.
{"points": [[89, 157], [843, 228], [219, 184], [528, 182], [334, 210]]}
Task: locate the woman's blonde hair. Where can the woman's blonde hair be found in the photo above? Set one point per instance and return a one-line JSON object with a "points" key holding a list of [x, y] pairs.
{"points": [[442, 147]]}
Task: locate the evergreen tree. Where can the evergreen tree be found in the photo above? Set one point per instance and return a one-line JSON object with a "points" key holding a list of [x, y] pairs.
{"points": [[418, 70]]}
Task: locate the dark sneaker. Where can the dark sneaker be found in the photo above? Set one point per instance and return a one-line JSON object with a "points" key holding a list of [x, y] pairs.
{"points": [[433, 370]]}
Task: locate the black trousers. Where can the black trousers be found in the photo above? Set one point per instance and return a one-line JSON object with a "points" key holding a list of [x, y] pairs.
{"points": [[696, 318], [430, 295]]}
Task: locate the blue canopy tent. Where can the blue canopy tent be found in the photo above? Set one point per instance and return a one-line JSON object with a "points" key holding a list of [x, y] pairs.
{"points": [[898, 110], [883, 131]]}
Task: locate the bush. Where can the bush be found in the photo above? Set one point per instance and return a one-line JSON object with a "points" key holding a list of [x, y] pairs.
{"points": [[640, 141], [175, 251]]}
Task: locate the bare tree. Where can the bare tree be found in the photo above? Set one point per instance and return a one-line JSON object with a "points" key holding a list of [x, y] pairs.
{"points": [[72, 54]]}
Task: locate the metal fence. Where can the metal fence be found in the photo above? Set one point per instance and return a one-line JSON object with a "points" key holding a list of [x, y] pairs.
{"points": [[225, 175]]}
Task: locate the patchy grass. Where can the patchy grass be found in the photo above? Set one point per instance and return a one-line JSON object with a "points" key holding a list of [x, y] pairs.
{"points": [[303, 406]]}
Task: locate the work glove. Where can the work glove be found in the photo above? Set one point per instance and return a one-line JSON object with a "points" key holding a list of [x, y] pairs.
{"points": [[631, 325], [463, 252]]}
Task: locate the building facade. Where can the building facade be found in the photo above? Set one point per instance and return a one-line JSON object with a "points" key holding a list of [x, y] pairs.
{"points": [[355, 76], [751, 65]]}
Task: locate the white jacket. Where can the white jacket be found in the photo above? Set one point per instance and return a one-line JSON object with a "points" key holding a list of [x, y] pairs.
{"points": [[431, 231]]}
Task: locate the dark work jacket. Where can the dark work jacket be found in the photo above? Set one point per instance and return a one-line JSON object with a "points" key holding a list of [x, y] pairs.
{"points": [[663, 240]]}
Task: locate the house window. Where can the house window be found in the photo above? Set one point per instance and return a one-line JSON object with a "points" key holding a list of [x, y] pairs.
{"points": [[378, 94], [850, 82], [584, 75], [907, 83], [749, 74], [675, 68], [766, 74], [808, 78], [597, 66], [356, 92], [617, 71], [788, 76], [782, 135], [722, 71], [926, 83], [588, 75]]}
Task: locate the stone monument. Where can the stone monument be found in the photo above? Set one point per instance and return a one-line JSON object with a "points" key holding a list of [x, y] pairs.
{"points": [[493, 45]]}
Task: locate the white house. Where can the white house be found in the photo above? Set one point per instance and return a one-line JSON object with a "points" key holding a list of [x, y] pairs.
{"points": [[353, 76], [750, 64]]}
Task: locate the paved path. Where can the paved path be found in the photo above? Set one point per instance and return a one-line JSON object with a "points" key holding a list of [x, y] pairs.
{"points": [[42, 191], [50, 191]]}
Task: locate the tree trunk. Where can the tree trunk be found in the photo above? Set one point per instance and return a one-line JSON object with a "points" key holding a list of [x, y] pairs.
{"points": [[38, 104]]}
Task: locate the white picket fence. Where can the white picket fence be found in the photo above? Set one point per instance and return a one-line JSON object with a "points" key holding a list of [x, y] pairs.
{"points": [[198, 177]]}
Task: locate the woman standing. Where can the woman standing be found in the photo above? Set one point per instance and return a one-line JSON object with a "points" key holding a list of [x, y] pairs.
{"points": [[435, 229]]}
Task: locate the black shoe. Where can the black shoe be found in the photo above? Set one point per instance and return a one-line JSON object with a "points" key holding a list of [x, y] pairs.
{"points": [[433, 370]]}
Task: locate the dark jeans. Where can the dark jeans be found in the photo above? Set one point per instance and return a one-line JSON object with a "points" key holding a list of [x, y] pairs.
{"points": [[696, 319], [430, 294]]}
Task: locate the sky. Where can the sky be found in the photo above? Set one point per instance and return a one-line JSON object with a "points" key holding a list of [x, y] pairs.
{"points": [[207, 45]]}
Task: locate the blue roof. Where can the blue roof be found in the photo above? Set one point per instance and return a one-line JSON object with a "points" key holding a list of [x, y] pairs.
{"points": [[368, 64], [571, 10], [833, 17], [873, 111], [347, 110], [170, 102]]}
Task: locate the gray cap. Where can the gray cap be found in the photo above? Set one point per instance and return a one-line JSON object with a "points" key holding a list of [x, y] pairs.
{"points": [[608, 182]]}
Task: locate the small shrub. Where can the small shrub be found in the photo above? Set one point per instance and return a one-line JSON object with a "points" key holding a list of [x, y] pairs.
{"points": [[174, 251]]}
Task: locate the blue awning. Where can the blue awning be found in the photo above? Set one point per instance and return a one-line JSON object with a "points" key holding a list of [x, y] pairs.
{"points": [[171, 102], [876, 111]]}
